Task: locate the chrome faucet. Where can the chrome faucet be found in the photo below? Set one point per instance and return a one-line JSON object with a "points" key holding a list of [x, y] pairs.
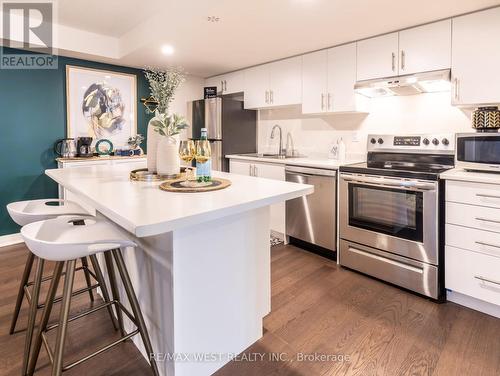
{"points": [[290, 148], [280, 150]]}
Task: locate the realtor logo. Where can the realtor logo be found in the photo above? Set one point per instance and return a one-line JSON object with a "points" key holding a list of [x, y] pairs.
{"points": [[28, 26]]}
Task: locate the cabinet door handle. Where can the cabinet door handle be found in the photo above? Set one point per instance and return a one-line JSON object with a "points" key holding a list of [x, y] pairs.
{"points": [[486, 280], [255, 170], [271, 96], [267, 97], [250, 169], [329, 99], [403, 58], [487, 220], [222, 85], [393, 62], [488, 244], [322, 102], [486, 196]]}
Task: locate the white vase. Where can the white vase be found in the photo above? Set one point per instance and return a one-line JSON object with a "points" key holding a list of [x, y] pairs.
{"points": [[167, 156], [152, 147]]}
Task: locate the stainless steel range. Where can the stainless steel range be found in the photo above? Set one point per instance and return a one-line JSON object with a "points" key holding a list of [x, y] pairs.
{"points": [[390, 212]]}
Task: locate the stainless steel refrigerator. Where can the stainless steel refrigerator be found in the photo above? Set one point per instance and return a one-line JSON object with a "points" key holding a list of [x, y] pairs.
{"points": [[231, 129]]}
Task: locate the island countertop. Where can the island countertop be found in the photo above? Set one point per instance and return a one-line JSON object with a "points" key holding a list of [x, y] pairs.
{"points": [[144, 210]]}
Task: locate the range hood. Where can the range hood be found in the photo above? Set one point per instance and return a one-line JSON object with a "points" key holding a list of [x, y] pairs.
{"points": [[426, 82]]}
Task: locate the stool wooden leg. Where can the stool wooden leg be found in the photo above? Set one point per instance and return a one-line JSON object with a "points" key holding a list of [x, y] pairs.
{"points": [[104, 290], [32, 313], [20, 293], [85, 265], [63, 318], [49, 301], [114, 289], [136, 309]]}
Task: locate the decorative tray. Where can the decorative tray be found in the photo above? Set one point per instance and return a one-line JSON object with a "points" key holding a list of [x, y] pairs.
{"points": [[143, 174], [192, 186]]}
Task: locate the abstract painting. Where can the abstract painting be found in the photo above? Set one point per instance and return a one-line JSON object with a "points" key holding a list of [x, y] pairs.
{"points": [[101, 104]]}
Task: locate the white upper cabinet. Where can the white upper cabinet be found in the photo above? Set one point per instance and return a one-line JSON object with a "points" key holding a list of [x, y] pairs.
{"points": [[257, 87], [274, 84], [378, 57], [476, 58], [341, 96], [227, 83], [285, 82], [425, 48], [314, 82], [328, 79]]}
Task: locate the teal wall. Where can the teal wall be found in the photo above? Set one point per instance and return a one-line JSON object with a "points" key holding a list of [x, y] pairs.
{"points": [[32, 118]]}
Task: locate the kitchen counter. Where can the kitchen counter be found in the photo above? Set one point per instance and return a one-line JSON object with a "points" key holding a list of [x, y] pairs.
{"points": [[472, 176], [201, 268], [315, 162]]}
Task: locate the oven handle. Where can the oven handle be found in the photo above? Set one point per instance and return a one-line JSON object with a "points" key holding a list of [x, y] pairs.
{"points": [[388, 183]]}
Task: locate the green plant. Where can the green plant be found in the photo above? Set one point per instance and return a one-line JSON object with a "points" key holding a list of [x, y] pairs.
{"points": [[168, 125], [163, 84]]}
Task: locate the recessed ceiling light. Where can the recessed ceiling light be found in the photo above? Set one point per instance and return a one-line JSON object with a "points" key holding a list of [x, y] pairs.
{"points": [[213, 19], [167, 49]]}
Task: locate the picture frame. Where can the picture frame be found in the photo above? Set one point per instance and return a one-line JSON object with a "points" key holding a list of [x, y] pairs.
{"points": [[101, 104]]}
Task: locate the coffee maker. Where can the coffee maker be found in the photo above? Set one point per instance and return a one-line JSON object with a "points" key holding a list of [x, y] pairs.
{"points": [[84, 147]]}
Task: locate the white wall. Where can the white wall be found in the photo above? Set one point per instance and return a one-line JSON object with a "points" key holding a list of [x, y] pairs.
{"points": [[190, 90], [314, 135]]}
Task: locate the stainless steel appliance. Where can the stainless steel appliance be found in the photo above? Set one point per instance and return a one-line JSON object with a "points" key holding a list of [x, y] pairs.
{"points": [[65, 148], [231, 128], [390, 214], [478, 151], [84, 147], [411, 84], [313, 218]]}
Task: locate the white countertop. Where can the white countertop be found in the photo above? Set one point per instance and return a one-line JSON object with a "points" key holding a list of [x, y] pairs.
{"points": [[144, 210], [472, 176], [315, 162]]}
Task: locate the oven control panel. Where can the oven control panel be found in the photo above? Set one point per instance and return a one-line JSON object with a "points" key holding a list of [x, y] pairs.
{"points": [[417, 143], [406, 140]]}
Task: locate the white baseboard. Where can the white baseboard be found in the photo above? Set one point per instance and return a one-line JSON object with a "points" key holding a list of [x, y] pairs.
{"points": [[11, 239], [473, 303]]}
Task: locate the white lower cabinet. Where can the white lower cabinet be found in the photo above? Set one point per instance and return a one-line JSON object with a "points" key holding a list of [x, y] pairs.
{"points": [[268, 171], [472, 252]]}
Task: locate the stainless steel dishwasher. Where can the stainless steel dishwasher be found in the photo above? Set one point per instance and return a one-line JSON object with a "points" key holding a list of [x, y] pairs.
{"points": [[313, 219]]}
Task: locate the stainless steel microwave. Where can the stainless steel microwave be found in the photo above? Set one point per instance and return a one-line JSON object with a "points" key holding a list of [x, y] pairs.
{"points": [[478, 151]]}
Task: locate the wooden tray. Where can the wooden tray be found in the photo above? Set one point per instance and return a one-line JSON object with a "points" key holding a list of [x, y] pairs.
{"points": [[175, 186]]}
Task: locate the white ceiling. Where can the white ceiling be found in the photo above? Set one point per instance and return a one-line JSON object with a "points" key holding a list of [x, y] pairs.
{"points": [[249, 32]]}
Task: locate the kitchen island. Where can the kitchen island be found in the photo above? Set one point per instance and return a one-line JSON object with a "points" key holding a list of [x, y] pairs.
{"points": [[201, 270]]}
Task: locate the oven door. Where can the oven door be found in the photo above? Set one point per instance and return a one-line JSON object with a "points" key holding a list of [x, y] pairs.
{"points": [[396, 215]]}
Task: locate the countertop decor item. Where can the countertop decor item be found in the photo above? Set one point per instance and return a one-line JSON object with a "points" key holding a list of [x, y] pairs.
{"points": [[193, 186], [162, 87], [134, 142], [104, 147], [486, 119], [143, 174], [101, 104]]}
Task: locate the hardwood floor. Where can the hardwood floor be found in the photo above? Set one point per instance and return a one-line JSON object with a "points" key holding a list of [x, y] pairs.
{"points": [[317, 308]]}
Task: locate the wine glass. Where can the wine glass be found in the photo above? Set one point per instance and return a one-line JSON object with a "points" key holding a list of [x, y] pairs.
{"points": [[203, 153], [187, 153]]}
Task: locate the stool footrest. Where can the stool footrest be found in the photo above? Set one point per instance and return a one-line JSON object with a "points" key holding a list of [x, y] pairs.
{"points": [[123, 338]]}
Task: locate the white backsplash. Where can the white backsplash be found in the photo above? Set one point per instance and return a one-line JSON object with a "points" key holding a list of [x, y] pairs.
{"points": [[315, 135]]}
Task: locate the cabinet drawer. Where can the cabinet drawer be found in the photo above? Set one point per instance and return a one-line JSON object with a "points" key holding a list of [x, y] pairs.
{"points": [[478, 217], [473, 274], [473, 193], [478, 241]]}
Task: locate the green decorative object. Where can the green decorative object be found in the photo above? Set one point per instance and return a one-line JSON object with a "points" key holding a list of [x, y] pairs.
{"points": [[104, 147]]}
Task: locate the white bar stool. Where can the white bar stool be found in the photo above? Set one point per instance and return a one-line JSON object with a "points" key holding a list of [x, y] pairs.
{"points": [[66, 239], [26, 212]]}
